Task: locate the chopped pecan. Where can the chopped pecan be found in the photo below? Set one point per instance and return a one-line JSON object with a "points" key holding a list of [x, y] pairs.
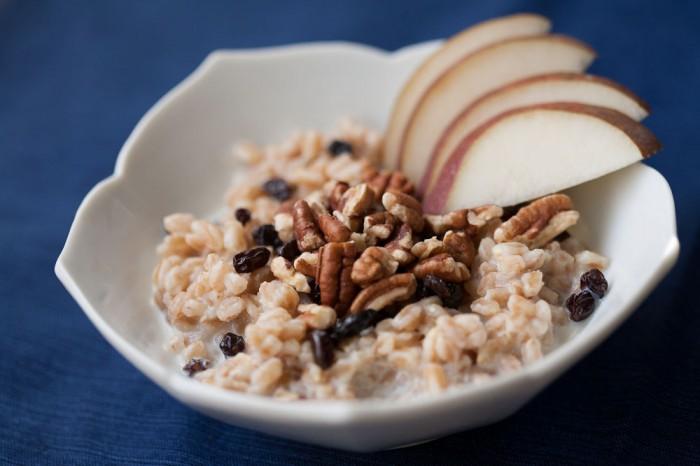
{"points": [[400, 246], [428, 247], [460, 246], [353, 223], [381, 181], [317, 202], [404, 207], [539, 222], [334, 275], [456, 220], [306, 231], [374, 264], [442, 266], [478, 217], [384, 293], [333, 229], [379, 225], [307, 263], [336, 194], [357, 201]]}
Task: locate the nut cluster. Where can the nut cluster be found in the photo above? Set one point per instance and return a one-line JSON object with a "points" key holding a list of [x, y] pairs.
{"points": [[369, 246]]}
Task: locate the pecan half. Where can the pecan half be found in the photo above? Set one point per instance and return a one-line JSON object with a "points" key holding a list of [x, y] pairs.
{"points": [[385, 292], [336, 195], [374, 264], [306, 231], [400, 246], [357, 201], [460, 246], [379, 225], [404, 207], [381, 181], [333, 229], [442, 266], [539, 222], [307, 263], [333, 275]]}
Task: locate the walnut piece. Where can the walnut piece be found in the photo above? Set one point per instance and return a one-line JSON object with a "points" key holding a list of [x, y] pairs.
{"points": [[460, 246], [385, 292], [442, 266], [307, 263], [479, 217], [306, 231], [539, 222], [374, 264], [334, 275], [357, 201], [400, 246], [333, 229], [404, 207]]}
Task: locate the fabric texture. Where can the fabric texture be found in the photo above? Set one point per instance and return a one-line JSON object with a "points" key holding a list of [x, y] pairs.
{"points": [[76, 76]]}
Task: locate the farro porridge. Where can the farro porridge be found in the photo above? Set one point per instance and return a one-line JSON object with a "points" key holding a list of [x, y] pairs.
{"points": [[324, 279]]}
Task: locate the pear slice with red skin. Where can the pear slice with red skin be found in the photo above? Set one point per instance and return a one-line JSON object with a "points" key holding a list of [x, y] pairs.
{"points": [[479, 73], [536, 150], [449, 53], [550, 87]]}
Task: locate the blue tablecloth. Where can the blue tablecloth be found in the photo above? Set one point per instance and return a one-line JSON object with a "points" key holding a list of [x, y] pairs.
{"points": [[76, 76]]}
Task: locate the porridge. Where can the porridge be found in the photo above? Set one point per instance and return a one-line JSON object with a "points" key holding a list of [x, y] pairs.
{"points": [[325, 279]]}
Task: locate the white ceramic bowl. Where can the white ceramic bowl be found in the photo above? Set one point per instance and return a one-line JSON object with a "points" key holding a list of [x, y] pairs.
{"points": [[178, 158]]}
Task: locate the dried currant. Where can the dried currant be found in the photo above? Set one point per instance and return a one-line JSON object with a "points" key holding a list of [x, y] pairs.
{"points": [[354, 324], [195, 365], [242, 215], [580, 305], [339, 147], [422, 290], [250, 260], [231, 344], [451, 294], [323, 346], [265, 235], [289, 251], [595, 281], [278, 188]]}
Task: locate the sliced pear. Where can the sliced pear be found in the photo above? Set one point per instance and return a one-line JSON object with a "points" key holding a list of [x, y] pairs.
{"points": [[551, 87], [532, 151], [474, 76], [454, 49]]}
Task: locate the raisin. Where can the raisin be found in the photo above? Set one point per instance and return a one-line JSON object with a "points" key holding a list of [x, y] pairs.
{"points": [[595, 281], [278, 188], [289, 251], [242, 215], [265, 235], [338, 147], [580, 305], [422, 290], [195, 365], [323, 346], [250, 260], [231, 344], [451, 294], [354, 324]]}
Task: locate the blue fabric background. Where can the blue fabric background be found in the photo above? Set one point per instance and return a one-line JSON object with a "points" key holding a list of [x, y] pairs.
{"points": [[76, 76]]}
